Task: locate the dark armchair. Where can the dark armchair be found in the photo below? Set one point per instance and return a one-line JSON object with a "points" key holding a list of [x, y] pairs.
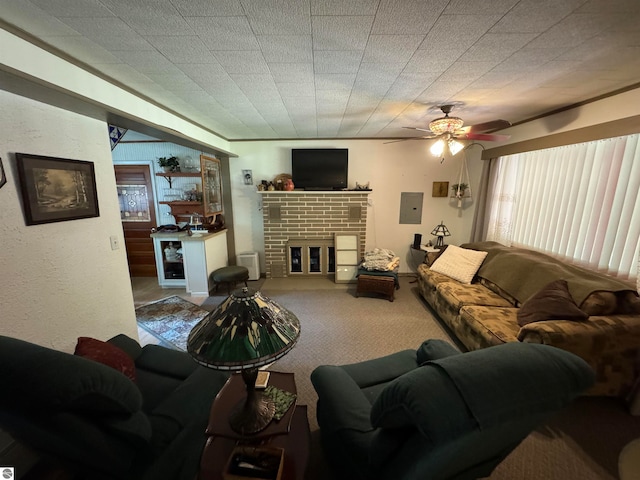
{"points": [[95, 422], [438, 414]]}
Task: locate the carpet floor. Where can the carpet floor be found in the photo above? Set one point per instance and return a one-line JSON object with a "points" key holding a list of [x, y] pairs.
{"points": [[582, 442]]}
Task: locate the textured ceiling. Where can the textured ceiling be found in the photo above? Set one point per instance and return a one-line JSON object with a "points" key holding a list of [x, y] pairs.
{"points": [[249, 69]]}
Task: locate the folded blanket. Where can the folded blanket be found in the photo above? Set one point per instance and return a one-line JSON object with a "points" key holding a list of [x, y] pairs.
{"points": [[380, 259]]}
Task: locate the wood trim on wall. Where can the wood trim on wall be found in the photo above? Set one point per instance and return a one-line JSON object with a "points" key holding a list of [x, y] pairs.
{"points": [[616, 128]]}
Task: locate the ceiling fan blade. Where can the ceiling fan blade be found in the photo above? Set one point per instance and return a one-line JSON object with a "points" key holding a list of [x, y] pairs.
{"points": [[420, 129], [410, 138], [489, 137], [483, 127]]}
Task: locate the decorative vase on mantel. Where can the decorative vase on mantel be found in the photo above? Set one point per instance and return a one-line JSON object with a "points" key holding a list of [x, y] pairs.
{"points": [[288, 185]]}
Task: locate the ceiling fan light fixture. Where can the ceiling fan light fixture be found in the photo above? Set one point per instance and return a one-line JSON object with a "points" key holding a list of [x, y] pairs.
{"points": [[446, 124], [437, 148], [455, 146]]}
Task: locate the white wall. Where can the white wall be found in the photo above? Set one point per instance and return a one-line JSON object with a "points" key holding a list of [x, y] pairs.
{"points": [[390, 169], [60, 280]]}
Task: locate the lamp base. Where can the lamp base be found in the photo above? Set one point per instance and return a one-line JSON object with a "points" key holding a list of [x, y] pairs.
{"points": [[248, 419], [253, 414]]}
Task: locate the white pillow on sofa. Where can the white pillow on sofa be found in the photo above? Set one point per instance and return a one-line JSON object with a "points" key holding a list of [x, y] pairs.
{"points": [[459, 263]]}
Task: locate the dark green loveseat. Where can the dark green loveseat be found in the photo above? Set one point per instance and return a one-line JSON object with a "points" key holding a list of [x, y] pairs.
{"points": [[99, 424], [438, 414]]}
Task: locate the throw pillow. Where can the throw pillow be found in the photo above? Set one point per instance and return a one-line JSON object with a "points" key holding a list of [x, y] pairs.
{"points": [[599, 303], [107, 354], [628, 303], [459, 263], [553, 302]]}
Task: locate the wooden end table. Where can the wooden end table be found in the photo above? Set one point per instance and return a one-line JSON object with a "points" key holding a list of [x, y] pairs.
{"points": [[291, 432]]}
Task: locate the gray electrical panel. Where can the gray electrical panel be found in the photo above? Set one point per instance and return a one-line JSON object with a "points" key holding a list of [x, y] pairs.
{"points": [[411, 207]]}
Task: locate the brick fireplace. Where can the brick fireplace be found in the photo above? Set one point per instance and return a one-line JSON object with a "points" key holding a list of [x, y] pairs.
{"points": [[307, 217]]}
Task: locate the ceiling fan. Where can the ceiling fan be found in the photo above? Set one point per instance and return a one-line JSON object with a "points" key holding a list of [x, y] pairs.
{"points": [[449, 129]]}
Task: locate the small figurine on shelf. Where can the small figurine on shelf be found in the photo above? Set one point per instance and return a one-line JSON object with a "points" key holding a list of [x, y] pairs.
{"points": [[271, 187]]}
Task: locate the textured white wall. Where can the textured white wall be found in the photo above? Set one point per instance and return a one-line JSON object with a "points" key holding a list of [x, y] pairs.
{"points": [[60, 280], [390, 169]]}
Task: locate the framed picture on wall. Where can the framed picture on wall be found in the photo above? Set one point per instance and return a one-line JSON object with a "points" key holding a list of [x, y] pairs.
{"points": [[211, 185], [56, 189], [440, 189]]}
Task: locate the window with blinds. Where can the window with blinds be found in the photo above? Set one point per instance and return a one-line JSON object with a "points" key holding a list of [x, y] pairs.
{"points": [[580, 202]]}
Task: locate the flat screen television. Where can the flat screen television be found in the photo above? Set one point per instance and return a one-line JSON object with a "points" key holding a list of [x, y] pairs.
{"points": [[320, 168]]}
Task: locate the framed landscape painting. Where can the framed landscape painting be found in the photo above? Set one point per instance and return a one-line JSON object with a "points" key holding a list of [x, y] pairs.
{"points": [[56, 189]]}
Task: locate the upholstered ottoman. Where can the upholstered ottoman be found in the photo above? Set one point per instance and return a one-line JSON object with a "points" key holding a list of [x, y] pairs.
{"points": [[229, 275], [381, 283]]}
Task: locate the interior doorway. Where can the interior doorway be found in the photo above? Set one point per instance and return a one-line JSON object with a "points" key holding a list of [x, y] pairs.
{"points": [[137, 213]]}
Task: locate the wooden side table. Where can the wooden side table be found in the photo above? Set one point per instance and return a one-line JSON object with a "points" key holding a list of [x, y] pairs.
{"points": [[290, 433], [430, 253]]}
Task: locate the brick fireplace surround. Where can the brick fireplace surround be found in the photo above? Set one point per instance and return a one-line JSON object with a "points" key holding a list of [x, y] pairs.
{"points": [[308, 215]]}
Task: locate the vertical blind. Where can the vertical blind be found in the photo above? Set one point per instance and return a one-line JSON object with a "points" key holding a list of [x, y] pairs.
{"points": [[580, 202]]}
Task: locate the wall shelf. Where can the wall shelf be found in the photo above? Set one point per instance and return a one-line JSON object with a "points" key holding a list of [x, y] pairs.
{"points": [[183, 209], [169, 176]]}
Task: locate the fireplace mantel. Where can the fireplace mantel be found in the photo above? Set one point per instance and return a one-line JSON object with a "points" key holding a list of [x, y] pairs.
{"points": [[314, 192]]}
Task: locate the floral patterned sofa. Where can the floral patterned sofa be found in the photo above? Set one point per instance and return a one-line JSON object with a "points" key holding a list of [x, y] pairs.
{"points": [[484, 312]]}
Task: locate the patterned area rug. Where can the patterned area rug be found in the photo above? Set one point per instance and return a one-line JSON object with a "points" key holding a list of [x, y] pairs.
{"points": [[170, 320]]}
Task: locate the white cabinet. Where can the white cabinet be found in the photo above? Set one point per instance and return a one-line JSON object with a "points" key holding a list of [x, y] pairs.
{"points": [[194, 260], [201, 257]]}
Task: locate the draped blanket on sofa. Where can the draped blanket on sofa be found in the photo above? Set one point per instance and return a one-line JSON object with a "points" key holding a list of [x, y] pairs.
{"points": [[522, 273]]}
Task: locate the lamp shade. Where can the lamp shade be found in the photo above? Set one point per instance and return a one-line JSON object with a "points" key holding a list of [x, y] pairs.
{"points": [[454, 146], [247, 330], [437, 148], [441, 231]]}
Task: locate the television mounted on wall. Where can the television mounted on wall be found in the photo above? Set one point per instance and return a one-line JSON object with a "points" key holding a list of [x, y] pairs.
{"points": [[320, 168]]}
